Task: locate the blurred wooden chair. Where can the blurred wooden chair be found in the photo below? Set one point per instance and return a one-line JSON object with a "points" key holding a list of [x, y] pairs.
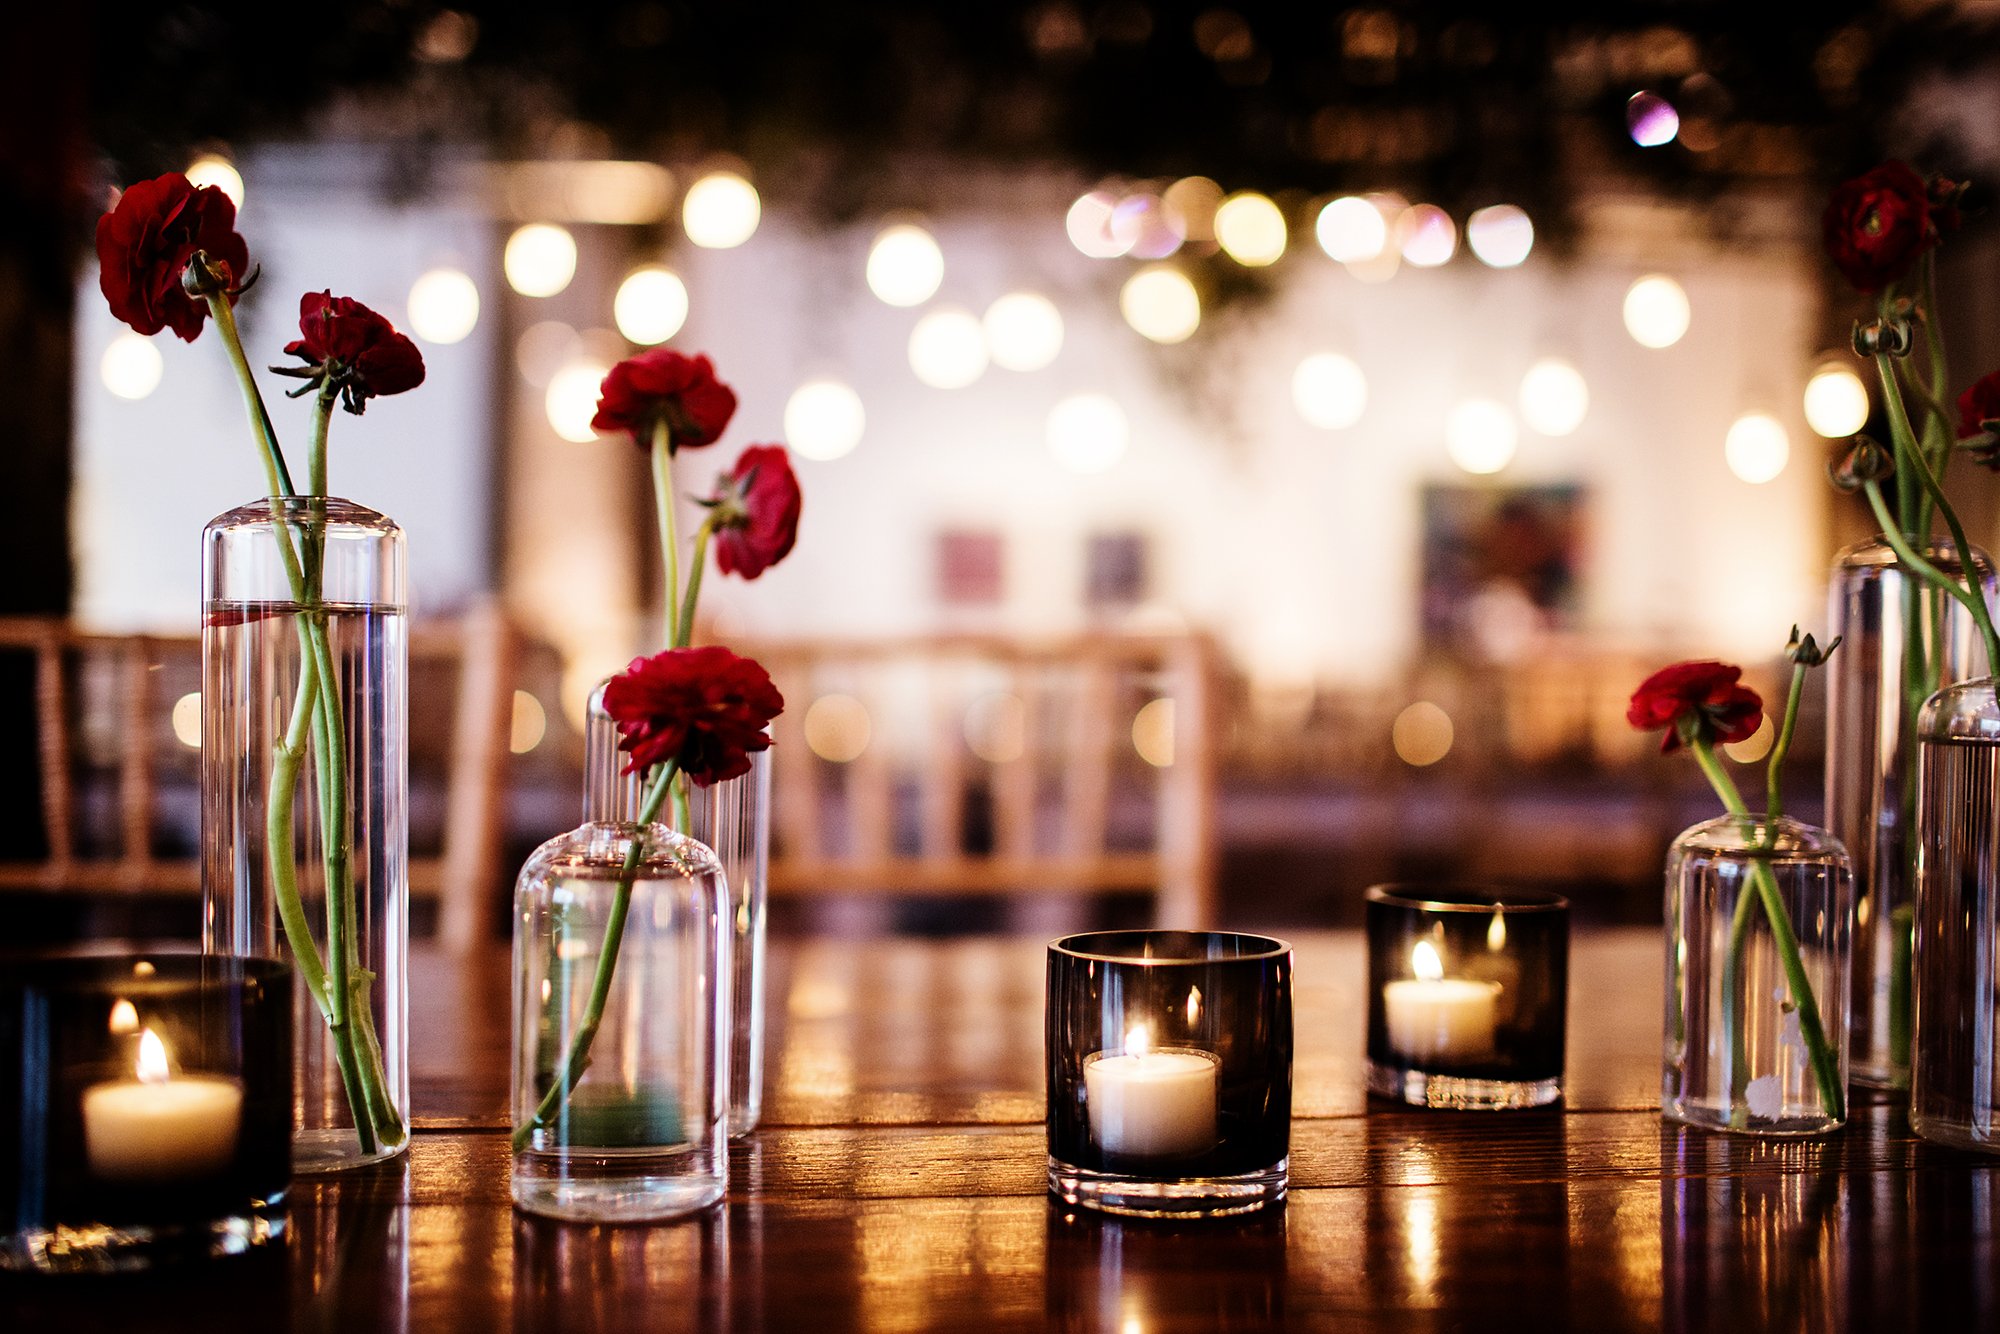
{"points": [[119, 782], [980, 765]]}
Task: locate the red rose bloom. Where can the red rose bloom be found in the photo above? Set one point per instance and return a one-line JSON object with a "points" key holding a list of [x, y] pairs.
{"points": [[143, 247], [759, 505], [354, 349], [705, 707], [1700, 695], [1876, 225], [1978, 405], [662, 385]]}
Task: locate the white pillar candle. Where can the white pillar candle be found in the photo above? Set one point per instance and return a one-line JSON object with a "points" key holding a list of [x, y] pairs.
{"points": [[1434, 1017], [156, 1128], [1152, 1104]]}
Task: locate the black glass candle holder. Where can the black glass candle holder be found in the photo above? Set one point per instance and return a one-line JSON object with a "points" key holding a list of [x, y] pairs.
{"points": [[1169, 1071], [1468, 994], [145, 1108]]}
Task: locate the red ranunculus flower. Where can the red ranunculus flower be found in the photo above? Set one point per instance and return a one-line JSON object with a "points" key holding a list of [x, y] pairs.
{"points": [[1978, 405], [759, 502], [1701, 694], [143, 246], [1877, 224], [704, 707], [353, 348], [662, 385]]}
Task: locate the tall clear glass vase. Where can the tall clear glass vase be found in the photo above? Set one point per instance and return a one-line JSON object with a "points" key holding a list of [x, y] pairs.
{"points": [[1955, 1063], [1875, 685], [733, 818], [305, 786]]}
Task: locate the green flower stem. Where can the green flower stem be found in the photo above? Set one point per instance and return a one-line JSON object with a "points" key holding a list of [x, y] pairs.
{"points": [[577, 1059], [663, 504], [279, 477], [1783, 745], [1971, 599], [1826, 1065], [695, 567]]}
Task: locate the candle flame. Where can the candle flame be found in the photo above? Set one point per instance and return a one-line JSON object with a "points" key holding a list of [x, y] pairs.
{"points": [[1194, 1006], [143, 969], [1138, 1040], [1424, 961], [1496, 933], [124, 1018], [152, 1058]]}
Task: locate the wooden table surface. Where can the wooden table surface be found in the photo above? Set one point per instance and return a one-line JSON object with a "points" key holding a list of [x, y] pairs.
{"points": [[898, 1184]]}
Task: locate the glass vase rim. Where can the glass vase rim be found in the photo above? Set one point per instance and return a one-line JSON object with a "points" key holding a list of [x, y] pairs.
{"points": [[1465, 897], [1810, 839], [1870, 553], [667, 851], [112, 968], [1099, 947], [331, 509]]}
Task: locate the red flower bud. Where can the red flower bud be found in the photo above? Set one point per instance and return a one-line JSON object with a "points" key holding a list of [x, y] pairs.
{"points": [[143, 248], [662, 385], [1979, 405], [704, 707], [759, 501], [1877, 224], [354, 349], [1702, 698]]}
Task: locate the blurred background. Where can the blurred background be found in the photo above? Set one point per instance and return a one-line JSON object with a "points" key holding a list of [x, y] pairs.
{"points": [[1287, 432]]}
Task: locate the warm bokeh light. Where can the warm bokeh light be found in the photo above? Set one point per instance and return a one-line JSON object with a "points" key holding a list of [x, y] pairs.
{"points": [[1024, 331], [1146, 227], [527, 725], [1651, 120], [1161, 303], [996, 727], [1193, 201], [721, 211], [1088, 433], [1501, 236], [837, 728], [1657, 313], [1554, 397], [186, 719], [651, 305], [444, 306], [1329, 391], [1836, 402], [1757, 447], [1088, 223], [1426, 236], [1250, 229], [948, 349], [1153, 733], [1754, 747], [824, 420], [131, 366], [1481, 436], [540, 259], [905, 265], [545, 348], [571, 400], [1421, 734], [211, 169], [1351, 230]]}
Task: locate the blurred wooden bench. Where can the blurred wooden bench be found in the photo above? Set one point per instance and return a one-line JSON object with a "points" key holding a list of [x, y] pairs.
{"points": [[963, 765], [102, 717]]}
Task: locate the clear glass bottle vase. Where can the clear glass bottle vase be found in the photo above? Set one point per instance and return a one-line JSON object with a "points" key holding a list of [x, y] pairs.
{"points": [[1872, 603], [305, 799], [620, 1072], [733, 818], [1742, 1050], [1955, 1060]]}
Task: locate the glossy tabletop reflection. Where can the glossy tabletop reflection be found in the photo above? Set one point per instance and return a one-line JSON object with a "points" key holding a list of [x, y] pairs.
{"points": [[898, 1184]]}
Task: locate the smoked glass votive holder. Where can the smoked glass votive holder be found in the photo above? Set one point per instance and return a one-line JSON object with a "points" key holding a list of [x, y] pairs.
{"points": [[1468, 991], [145, 1108], [1169, 1071]]}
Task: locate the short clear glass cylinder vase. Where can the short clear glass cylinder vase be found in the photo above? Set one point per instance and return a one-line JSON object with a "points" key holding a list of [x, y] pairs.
{"points": [[1901, 639], [734, 819], [1757, 942], [1955, 1059], [305, 800], [622, 945]]}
